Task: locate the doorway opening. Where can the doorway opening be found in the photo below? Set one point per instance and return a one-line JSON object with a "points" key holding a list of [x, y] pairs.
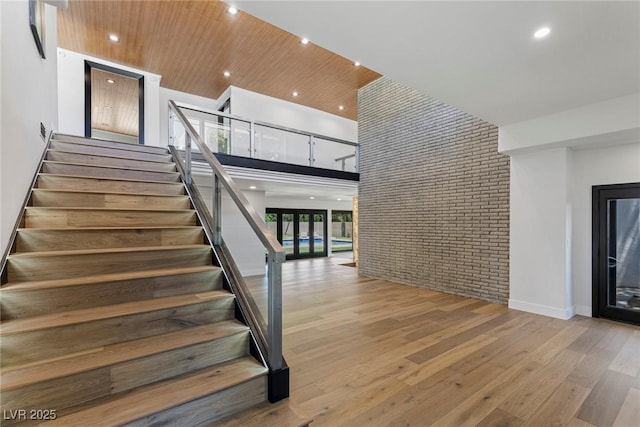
{"points": [[302, 232], [113, 104], [616, 252]]}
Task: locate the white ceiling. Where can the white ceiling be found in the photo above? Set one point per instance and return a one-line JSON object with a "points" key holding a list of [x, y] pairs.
{"points": [[480, 56]]}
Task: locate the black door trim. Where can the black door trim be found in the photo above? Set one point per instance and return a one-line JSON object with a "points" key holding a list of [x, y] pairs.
{"points": [[599, 260]]}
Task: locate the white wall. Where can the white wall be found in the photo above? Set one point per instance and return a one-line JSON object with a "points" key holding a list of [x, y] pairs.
{"points": [[539, 233], [185, 98], [264, 108], [611, 165], [71, 95], [29, 97], [554, 162]]}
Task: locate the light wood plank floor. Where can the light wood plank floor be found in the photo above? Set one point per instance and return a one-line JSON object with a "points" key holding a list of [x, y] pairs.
{"points": [[366, 352]]}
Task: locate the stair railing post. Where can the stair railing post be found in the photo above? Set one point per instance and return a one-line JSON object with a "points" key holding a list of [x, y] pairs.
{"points": [[187, 149], [357, 158], [312, 142], [275, 311], [217, 211], [252, 139]]}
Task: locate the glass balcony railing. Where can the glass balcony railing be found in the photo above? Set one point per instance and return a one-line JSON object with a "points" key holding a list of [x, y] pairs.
{"points": [[228, 134]]}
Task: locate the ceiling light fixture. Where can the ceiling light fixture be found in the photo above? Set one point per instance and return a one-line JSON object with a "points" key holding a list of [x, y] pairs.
{"points": [[294, 93], [253, 187], [312, 197], [341, 107], [339, 199], [542, 33], [232, 10], [357, 63], [114, 38], [226, 74], [111, 81], [304, 40]]}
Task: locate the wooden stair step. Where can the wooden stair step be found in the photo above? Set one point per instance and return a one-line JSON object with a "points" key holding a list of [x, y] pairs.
{"points": [[93, 144], [37, 298], [87, 262], [106, 143], [93, 149], [112, 185], [32, 339], [73, 363], [72, 198], [189, 400], [55, 239], [72, 379], [61, 168], [104, 160], [51, 217], [281, 414]]}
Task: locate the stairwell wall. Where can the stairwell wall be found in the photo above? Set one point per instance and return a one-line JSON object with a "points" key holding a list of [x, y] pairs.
{"points": [[29, 97], [433, 196]]}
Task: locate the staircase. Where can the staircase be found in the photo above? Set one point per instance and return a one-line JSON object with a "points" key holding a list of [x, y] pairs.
{"points": [[114, 311]]}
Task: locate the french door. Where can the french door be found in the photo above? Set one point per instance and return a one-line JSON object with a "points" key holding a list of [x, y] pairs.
{"points": [[302, 232], [616, 252]]}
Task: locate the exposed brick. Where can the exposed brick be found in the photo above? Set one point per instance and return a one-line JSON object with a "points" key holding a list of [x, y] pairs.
{"points": [[434, 194]]}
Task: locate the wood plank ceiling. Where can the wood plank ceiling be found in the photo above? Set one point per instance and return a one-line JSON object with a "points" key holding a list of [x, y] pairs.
{"points": [[191, 43]]}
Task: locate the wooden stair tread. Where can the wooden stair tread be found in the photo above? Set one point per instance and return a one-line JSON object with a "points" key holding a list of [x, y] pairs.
{"points": [[108, 178], [120, 193], [63, 151], [104, 251], [139, 227], [147, 400], [117, 145], [48, 321], [86, 360], [85, 208], [281, 414], [101, 278], [123, 168]]}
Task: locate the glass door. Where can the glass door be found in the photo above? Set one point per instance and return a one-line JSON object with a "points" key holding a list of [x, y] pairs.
{"points": [[300, 231], [616, 252]]}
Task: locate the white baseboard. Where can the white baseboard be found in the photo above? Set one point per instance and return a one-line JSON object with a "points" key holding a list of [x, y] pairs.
{"points": [[544, 310], [584, 310]]}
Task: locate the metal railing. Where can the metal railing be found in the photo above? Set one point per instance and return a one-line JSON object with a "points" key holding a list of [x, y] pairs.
{"points": [[229, 134], [269, 336]]}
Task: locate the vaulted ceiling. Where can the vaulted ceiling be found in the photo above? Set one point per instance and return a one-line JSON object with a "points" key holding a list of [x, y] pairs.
{"points": [[192, 43]]}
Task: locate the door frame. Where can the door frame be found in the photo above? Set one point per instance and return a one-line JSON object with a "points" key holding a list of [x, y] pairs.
{"points": [[296, 230], [88, 65], [599, 258]]}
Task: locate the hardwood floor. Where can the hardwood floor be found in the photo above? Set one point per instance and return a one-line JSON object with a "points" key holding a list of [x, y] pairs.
{"points": [[366, 352]]}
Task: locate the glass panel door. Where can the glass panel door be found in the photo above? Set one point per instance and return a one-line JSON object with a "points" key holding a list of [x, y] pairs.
{"points": [[319, 234], [305, 234], [617, 250], [301, 232]]}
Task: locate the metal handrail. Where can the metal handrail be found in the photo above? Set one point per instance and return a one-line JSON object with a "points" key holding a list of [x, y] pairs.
{"points": [[275, 253]]}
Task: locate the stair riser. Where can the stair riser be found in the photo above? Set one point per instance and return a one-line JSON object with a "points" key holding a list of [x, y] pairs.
{"points": [[102, 172], [110, 144], [27, 303], [46, 198], [96, 184], [50, 267], [32, 346], [87, 159], [62, 218], [36, 240], [208, 409], [93, 149], [76, 389]]}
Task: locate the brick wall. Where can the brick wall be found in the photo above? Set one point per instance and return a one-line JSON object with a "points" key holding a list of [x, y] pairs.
{"points": [[434, 195]]}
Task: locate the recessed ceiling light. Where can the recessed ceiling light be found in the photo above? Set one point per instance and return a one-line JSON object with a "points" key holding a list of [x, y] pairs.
{"points": [[253, 187], [338, 199], [226, 74], [542, 33], [357, 63], [114, 38], [341, 107], [294, 93], [111, 81], [312, 197], [304, 40], [232, 10]]}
